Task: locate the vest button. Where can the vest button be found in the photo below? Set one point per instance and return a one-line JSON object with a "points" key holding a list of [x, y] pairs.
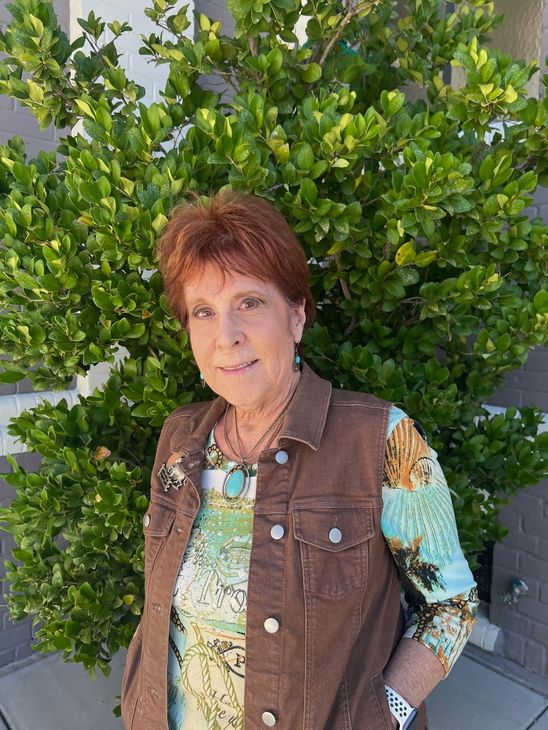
{"points": [[157, 607], [277, 532], [146, 520], [281, 457], [271, 625], [269, 719], [335, 535]]}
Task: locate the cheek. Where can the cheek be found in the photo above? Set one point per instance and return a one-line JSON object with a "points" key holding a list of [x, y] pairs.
{"points": [[277, 343], [198, 345]]}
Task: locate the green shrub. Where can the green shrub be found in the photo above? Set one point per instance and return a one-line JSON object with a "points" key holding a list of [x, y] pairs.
{"points": [[428, 274]]}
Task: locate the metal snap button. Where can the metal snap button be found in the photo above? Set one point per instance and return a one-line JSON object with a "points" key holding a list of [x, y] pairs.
{"points": [[146, 520], [277, 532], [281, 457], [335, 535], [269, 719], [157, 607], [271, 625]]}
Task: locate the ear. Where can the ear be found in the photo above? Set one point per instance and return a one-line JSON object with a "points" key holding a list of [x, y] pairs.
{"points": [[298, 319]]}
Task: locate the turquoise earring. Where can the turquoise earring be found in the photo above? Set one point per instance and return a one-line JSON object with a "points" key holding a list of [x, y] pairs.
{"points": [[296, 359], [202, 381]]}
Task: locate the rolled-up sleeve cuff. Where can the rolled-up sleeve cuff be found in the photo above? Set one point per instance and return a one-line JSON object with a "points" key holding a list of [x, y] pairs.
{"points": [[444, 627]]}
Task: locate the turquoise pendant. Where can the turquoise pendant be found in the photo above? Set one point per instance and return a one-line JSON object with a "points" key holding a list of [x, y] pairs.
{"points": [[236, 482]]}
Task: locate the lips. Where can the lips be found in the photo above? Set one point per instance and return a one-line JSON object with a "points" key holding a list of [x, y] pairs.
{"points": [[237, 368]]}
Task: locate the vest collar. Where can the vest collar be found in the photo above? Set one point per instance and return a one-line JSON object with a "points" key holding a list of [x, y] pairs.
{"points": [[307, 413], [304, 420]]}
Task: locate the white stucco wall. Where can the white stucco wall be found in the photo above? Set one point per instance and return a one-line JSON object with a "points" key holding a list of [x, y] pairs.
{"points": [[132, 12]]}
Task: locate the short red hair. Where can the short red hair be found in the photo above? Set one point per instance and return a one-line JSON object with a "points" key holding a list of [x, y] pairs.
{"points": [[235, 232]]}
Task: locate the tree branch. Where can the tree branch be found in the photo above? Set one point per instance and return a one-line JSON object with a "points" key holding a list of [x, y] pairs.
{"points": [[253, 45], [347, 295], [528, 164], [353, 10]]}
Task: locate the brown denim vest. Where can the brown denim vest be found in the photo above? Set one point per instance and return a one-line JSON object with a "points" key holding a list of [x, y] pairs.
{"points": [[337, 603]]}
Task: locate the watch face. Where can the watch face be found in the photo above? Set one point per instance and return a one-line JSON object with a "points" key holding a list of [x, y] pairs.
{"points": [[412, 721]]}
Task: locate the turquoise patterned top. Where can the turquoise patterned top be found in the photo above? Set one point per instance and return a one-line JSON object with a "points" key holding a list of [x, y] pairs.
{"points": [[206, 663]]}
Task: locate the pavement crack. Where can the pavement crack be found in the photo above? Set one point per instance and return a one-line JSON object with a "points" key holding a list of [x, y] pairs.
{"points": [[542, 716]]}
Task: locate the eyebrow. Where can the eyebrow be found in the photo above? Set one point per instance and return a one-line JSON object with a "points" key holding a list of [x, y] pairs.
{"points": [[251, 292]]}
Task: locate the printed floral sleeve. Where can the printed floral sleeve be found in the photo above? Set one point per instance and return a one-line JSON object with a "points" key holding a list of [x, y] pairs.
{"points": [[418, 523]]}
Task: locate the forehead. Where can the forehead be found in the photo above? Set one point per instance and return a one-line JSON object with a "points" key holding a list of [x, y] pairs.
{"points": [[213, 282]]}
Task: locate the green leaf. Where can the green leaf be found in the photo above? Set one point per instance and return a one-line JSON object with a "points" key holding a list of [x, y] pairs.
{"points": [[104, 187], [22, 173], [85, 108], [305, 157], [540, 301], [309, 191], [312, 72], [486, 169], [26, 281], [95, 131], [405, 254], [87, 592], [101, 298], [394, 287], [11, 376], [425, 258]]}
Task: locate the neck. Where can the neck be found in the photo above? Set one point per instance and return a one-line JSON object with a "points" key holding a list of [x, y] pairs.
{"points": [[258, 419], [252, 424]]}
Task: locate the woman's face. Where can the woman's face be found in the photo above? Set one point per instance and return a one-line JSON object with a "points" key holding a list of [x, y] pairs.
{"points": [[242, 332]]}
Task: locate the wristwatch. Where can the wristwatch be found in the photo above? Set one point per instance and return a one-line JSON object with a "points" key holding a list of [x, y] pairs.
{"points": [[400, 708]]}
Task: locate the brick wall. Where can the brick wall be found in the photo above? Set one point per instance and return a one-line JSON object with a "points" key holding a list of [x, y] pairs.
{"points": [[524, 552]]}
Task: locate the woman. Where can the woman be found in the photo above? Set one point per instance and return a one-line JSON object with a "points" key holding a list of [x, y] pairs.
{"points": [[285, 515]]}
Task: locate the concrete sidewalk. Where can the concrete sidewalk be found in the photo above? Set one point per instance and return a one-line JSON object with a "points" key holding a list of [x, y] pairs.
{"points": [[47, 694], [474, 697]]}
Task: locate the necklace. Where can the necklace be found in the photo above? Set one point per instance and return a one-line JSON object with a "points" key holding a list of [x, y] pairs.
{"points": [[237, 480]]}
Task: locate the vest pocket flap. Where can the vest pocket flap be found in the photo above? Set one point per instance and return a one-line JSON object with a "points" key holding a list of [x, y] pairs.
{"points": [[158, 520], [333, 529]]}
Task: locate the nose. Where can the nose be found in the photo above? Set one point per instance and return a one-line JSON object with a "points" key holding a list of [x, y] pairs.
{"points": [[229, 332]]}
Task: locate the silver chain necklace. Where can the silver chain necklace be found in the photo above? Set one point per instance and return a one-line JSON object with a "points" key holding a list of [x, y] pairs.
{"points": [[237, 480]]}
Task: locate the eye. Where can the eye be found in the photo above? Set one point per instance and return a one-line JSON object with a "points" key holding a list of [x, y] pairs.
{"points": [[202, 313], [250, 303]]}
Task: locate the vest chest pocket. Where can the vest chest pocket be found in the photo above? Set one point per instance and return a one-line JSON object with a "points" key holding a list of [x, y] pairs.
{"points": [[334, 547], [157, 523]]}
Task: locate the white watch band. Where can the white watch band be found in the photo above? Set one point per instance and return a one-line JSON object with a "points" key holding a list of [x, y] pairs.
{"points": [[399, 708]]}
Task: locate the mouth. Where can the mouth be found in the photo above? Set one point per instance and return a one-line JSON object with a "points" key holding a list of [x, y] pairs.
{"points": [[241, 368]]}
